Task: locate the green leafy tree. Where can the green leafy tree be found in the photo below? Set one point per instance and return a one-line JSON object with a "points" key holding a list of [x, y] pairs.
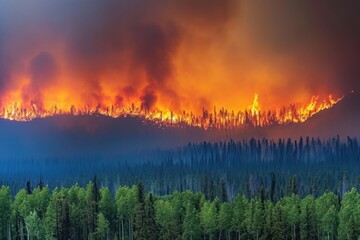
{"points": [[40, 198], [279, 223], [225, 219], [192, 228], [323, 204], [268, 227], [330, 222], [238, 221], [308, 223], [291, 206], [166, 218], [125, 205], [349, 227], [108, 209], [51, 216], [57, 217], [78, 213], [5, 212], [208, 216], [21, 210], [102, 227], [34, 226], [255, 218]]}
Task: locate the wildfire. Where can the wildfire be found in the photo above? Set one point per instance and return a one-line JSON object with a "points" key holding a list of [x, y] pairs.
{"points": [[222, 119]]}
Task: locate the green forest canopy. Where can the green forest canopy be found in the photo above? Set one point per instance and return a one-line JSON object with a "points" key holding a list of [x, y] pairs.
{"points": [[94, 213]]}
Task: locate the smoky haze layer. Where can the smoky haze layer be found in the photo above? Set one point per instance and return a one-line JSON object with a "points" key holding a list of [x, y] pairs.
{"points": [[180, 54]]}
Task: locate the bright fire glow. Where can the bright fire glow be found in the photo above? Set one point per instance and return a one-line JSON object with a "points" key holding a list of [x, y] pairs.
{"points": [[253, 116]]}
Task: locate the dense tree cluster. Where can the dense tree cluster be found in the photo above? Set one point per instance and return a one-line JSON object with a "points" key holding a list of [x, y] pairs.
{"points": [[304, 166], [94, 213]]}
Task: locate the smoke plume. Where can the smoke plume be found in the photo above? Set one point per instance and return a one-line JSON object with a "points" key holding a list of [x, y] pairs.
{"points": [[177, 54]]}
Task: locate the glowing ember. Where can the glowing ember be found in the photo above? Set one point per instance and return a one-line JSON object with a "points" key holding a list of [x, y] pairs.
{"points": [[253, 116]]}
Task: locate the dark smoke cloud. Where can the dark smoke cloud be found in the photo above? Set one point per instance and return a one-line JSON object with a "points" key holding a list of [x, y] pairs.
{"points": [[311, 37], [4, 71], [42, 70], [129, 91], [4, 76], [154, 47], [148, 98], [311, 44], [102, 37], [42, 74]]}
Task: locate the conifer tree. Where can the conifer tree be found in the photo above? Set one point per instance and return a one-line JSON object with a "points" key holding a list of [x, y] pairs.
{"points": [[140, 224], [151, 219]]}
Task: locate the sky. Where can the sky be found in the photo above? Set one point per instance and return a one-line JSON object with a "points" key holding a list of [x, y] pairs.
{"points": [[179, 54]]}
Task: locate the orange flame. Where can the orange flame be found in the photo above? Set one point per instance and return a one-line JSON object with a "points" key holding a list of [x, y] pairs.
{"points": [[253, 116]]}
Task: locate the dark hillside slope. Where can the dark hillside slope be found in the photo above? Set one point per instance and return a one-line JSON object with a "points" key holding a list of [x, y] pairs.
{"points": [[105, 137]]}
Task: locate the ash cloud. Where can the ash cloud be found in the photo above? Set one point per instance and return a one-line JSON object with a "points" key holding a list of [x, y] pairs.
{"points": [[42, 73], [318, 40], [148, 98], [134, 46], [137, 37]]}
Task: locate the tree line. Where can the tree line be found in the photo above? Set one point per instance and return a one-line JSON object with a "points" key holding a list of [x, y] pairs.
{"points": [[313, 165], [92, 212]]}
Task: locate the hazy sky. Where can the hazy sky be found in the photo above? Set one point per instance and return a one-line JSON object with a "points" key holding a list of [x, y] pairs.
{"points": [[179, 54]]}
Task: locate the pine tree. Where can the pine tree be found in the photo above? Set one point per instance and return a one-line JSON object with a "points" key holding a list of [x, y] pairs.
{"points": [[223, 195], [140, 224], [292, 186], [272, 187], [151, 219], [64, 220], [93, 197]]}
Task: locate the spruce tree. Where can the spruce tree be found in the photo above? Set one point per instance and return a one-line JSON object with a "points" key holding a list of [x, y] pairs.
{"points": [[140, 224], [151, 226]]}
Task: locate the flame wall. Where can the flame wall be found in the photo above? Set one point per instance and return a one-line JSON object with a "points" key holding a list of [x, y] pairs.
{"points": [[180, 54]]}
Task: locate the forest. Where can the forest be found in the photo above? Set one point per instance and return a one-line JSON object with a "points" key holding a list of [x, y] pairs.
{"points": [[250, 189], [93, 212], [315, 166]]}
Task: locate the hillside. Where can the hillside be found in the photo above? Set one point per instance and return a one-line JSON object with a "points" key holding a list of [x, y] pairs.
{"points": [[100, 136]]}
